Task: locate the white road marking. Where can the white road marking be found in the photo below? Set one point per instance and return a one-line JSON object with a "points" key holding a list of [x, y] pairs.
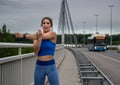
{"points": [[108, 57]]}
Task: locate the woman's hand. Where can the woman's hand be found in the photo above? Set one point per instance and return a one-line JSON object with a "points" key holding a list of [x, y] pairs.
{"points": [[37, 42], [18, 35], [39, 34]]}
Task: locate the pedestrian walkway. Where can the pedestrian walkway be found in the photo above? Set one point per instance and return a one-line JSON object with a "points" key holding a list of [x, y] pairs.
{"points": [[68, 71]]}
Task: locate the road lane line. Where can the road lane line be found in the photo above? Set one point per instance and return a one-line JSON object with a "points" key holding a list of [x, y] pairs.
{"points": [[108, 57]]}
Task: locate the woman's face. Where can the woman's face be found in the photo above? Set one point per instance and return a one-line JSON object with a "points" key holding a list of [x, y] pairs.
{"points": [[46, 25]]}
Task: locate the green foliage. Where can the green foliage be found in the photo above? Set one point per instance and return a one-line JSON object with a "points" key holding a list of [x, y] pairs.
{"points": [[68, 38], [58, 39], [5, 52], [116, 39], [27, 50], [6, 36], [80, 38]]}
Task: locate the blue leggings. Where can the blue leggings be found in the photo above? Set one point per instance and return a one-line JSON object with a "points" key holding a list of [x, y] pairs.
{"points": [[42, 70]]}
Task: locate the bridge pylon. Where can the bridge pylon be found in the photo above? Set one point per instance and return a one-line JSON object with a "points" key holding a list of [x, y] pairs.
{"points": [[65, 25]]}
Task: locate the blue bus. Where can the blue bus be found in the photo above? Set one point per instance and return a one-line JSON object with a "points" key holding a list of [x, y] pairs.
{"points": [[97, 42]]}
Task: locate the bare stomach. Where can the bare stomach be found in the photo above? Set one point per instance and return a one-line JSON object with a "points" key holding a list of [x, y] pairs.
{"points": [[45, 58]]}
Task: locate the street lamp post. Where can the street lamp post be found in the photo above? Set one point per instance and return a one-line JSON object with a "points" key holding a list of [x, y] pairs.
{"points": [[84, 32], [110, 23], [96, 22]]}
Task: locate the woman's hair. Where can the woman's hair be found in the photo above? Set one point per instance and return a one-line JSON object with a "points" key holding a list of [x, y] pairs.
{"points": [[48, 19]]}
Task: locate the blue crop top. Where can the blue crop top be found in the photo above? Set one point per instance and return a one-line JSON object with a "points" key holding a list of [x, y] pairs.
{"points": [[47, 48]]}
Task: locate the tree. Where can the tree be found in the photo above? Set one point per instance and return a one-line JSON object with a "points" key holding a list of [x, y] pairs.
{"points": [[5, 35]]}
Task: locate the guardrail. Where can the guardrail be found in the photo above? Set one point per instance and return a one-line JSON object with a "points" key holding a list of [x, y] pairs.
{"points": [[90, 74], [112, 47], [19, 69]]}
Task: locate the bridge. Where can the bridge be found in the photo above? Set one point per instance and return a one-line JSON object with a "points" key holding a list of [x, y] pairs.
{"points": [[76, 66]]}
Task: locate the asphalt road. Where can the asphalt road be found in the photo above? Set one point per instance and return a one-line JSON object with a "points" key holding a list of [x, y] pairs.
{"points": [[111, 53], [108, 62]]}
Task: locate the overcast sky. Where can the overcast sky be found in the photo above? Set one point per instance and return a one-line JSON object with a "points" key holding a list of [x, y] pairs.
{"points": [[25, 15]]}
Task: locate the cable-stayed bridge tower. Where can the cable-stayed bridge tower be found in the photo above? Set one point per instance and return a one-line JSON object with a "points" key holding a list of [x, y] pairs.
{"points": [[65, 25]]}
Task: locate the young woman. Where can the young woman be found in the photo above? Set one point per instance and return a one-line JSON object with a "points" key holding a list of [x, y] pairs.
{"points": [[44, 46]]}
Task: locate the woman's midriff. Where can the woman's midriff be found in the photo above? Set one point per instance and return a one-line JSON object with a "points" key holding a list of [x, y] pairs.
{"points": [[45, 58]]}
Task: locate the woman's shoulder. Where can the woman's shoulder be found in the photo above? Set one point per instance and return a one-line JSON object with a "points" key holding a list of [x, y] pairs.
{"points": [[52, 33]]}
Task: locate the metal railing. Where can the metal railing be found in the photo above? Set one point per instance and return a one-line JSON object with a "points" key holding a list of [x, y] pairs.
{"points": [[112, 47], [89, 73], [19, 69]]}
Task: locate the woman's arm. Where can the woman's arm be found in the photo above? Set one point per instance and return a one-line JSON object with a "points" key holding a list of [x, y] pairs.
{"points": [[50, 35], [36, 45], [26, 36], [35, 37], [31, 36], [37, 42]]}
